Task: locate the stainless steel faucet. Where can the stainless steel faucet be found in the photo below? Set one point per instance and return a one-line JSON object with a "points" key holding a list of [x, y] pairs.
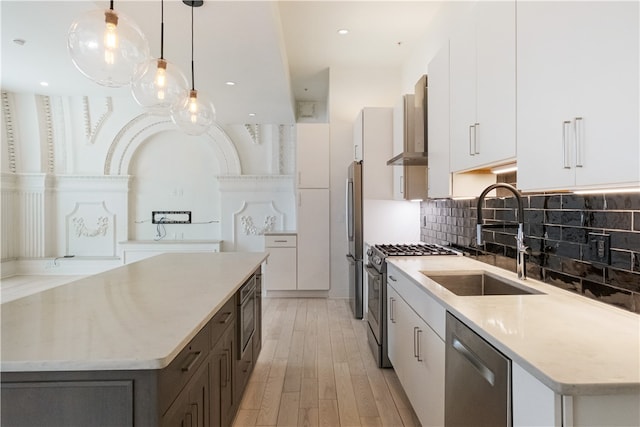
{"points": [[521, 249]]}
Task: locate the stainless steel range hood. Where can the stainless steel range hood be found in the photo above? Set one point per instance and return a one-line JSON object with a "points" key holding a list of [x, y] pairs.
{"points": [[415, 144]]}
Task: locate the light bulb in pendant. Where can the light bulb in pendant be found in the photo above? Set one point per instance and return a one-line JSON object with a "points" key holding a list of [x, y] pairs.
{"points": [[110, 36], [106, 46], [194, 114], [157, 84], [161, 78]]}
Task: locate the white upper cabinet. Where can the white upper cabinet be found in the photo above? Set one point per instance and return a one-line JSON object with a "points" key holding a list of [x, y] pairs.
{"points": [[312, 155], [373, 139], [578, 94], [439, 176], [483, 87]]}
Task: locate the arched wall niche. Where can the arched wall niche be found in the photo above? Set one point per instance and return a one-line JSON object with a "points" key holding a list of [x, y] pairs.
{"points": [[141, 128]]}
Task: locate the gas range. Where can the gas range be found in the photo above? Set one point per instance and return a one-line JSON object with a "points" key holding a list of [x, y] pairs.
{"points": [[378, 253], [376, 270]]}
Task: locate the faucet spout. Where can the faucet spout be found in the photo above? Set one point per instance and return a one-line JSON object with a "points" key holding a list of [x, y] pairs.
{"points": [[521, 249]]}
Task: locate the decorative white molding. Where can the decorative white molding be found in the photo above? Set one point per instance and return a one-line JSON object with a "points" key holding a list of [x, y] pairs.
{"points": [[251, 228], [142, 127], [92, 183], [245, 233], [286, 149], [85, 241], [254, 132], [9, 130], [92, 129], [262, 183], [83, 231], [46, 129]]}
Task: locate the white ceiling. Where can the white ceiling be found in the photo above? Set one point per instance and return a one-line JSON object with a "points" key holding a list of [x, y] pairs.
{"points": [[276, 52]]}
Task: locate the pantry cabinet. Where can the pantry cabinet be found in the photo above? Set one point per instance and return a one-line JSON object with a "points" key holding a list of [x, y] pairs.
{"points": [[439, 173], [313, 239], [312, 155], [483, 87], [416, 351], [578, 94]]}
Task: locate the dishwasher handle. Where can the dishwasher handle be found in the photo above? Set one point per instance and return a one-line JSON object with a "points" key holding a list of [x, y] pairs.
{"points": [[475, 361]]}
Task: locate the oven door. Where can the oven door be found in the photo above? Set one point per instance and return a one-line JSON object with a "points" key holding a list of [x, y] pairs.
{"points": [[246, 315], [375, 301]]}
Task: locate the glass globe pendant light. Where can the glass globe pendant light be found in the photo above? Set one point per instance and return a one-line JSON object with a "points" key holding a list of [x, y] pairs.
{"points": [[106, 46], [193, 114], [158, 83]]}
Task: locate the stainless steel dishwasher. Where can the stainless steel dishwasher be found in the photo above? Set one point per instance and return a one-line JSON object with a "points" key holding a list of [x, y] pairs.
{"points": [[477, 380]]}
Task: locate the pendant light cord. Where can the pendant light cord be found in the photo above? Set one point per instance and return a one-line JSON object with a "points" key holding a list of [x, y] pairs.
{"points": [[193, 83], [111, 5], [161, 29]]}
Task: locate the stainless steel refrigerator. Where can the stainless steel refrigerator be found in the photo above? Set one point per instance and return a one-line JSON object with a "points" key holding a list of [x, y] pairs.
{"points": [[354, 236]]}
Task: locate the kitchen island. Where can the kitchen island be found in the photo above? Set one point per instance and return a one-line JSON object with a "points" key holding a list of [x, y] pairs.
{"points": [[136, 345], [575, 361]]}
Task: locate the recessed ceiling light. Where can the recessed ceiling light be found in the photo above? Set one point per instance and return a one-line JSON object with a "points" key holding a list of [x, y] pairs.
{"points": [[230, 83], [343, 31], [44, 84], [252, 114]]}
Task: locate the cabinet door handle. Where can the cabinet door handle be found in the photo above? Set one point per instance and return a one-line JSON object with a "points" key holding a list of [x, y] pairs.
{"points": [[391, 317], [475, 139], [418, 332], [415, 342], [226, 368], [194, 356], [393, 279], [579, 136], [280, 241], [565, 135], [299, 178], [227, 317], [471, 131], [401, 184]]}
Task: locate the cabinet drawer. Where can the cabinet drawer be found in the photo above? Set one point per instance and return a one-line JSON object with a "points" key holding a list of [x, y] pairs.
{"points": [[223, 318], [280, 241], [173, 378]]}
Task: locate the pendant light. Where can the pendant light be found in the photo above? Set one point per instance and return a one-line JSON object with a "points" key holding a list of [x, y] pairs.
{"points": [[106, 46], [157, 83], [193, 114]]}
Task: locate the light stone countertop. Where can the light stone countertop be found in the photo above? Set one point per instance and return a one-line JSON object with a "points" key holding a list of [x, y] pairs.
{"points": [[572, 344], [138, 316]]}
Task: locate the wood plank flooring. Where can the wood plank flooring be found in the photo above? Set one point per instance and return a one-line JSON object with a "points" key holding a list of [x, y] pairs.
{"points": [[316, 369]]}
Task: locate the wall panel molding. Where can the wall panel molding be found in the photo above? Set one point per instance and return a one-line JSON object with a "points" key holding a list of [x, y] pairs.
{"points": [[9, 130], [102, 110], [142, 127]]}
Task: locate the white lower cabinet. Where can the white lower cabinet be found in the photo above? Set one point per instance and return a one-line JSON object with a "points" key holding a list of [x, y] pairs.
{"points": [[416, 352], [535, 404], [313, 239], [281, 273]]}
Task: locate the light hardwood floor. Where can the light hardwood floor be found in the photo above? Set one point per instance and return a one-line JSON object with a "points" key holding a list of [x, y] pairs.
{"points": [[316, 369]]}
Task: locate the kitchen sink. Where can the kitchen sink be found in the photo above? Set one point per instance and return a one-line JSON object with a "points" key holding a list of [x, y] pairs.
{"points": [[478, 284]]}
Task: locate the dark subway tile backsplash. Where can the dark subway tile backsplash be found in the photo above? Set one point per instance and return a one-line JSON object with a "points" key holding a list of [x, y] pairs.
{"points": [[557, 228]]}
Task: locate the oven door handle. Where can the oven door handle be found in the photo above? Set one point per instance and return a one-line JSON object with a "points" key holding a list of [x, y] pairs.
{"points": [[372, 271]]}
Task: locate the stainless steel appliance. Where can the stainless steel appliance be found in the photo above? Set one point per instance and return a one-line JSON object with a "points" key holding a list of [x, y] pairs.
{"points": [[415, 145], [354, 236], [246, 302], [477, 380], [377, 290]]}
